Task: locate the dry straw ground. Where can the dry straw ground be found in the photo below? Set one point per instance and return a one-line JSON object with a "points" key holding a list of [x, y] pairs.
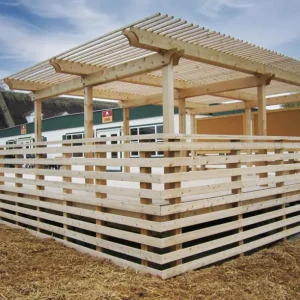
{"points": [[32, 268]]}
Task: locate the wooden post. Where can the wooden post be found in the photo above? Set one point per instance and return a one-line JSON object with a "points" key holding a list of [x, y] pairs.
{"points": [[193, 131], [67, 180], [126, 132], [88, 125], [168, 98], [169, 186], [38, 138], [237, 190], [262, 120], [182, 127], [247, 130], [247, 121], [262, 112], [182, 116], [148, 201], [99, 168], [281, 183]]}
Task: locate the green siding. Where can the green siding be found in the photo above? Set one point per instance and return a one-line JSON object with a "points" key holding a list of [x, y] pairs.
{"points": [[76, 120]]}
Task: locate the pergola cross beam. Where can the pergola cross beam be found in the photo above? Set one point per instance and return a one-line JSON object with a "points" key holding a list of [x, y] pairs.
{"points": [[131, 68], [144, 39], [229, 85], [239, 106], [76, 68], [35, 86]]}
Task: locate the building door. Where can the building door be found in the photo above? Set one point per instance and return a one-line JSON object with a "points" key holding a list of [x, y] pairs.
{"points": [[111, 133]]}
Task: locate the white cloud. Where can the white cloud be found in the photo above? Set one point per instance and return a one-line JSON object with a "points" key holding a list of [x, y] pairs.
{"points": [[213, 8]]}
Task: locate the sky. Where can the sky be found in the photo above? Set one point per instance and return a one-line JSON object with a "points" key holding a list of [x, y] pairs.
{"points": [[35, 30]]}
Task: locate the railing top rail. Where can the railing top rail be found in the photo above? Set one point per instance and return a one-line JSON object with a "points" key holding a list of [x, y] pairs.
{"points": [[162, 137], [159, 146]]}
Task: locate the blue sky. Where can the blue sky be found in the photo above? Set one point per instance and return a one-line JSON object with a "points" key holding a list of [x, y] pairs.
{"points": [[34, 30]]}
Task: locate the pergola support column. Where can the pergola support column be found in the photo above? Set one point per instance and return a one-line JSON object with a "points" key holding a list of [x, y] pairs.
{"points": [[88, 124], [262, 120], [247, 121], [193, 131], [262, 111], [38, 120], [126, 132], [247, 129], [38, 138], [182, 116], [168, 98]]}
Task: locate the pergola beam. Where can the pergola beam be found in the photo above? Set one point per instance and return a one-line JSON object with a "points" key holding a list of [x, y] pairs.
{"points": [[238, 106], [224, 86], [75, 68], [35, 86], [155, 42], [131, 68]]}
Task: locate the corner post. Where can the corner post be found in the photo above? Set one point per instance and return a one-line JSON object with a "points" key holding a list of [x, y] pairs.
{"points": [[88, 125], [38, 138], [168, 98], [168, 125]]}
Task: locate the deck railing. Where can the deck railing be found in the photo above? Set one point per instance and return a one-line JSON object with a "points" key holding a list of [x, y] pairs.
{"points": [[206, 199]]}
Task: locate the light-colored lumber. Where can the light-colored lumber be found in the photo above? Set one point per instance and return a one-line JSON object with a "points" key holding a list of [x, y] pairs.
{"points": [[146, 201], [88, 125], [168, 98], [126, 132], [149, 40], [262, 111], [228, 253], [127, 69]]}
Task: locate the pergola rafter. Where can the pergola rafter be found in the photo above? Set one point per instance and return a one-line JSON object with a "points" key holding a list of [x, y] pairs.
{"points": [[118, 66]]}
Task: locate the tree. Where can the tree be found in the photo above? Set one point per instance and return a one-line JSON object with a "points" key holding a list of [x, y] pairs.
{"points": [[289, 105], [2, 87], [292, 104]]}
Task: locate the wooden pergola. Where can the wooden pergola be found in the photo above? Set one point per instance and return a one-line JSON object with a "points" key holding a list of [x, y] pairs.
{"points": [[206, 199], [167, 61]]}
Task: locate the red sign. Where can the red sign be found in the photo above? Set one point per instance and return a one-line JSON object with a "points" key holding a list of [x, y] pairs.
{"points": [[23, 129], [107, 116]]}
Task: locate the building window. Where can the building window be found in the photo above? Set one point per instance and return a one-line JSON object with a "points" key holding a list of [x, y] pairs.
{"points": [[76, 136], [142, 130]]}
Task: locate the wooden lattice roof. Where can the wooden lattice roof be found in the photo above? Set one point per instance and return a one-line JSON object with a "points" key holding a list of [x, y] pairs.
{"points": [[208, 57]]}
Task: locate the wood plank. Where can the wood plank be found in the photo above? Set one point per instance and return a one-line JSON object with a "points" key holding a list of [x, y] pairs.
{"points": [[123, 220], [154, 162], [233, 238], [116, 260], [217, 229], [90, 188], [228, 253], [88, 200]]}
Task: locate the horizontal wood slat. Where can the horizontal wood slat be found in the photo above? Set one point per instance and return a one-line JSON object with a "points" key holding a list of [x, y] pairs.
{"points": [[109, 213]]}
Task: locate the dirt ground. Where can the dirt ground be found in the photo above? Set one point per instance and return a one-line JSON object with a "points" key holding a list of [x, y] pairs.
{"points": [[33, 268]]}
